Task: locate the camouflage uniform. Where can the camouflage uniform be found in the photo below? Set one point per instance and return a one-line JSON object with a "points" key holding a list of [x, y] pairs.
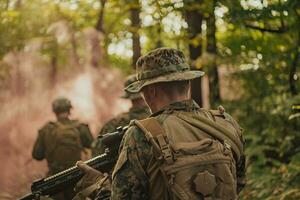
{"points": [[122, 119], [39, 149], [136, 163], [45, 140], [131, 175], [137, 173]]}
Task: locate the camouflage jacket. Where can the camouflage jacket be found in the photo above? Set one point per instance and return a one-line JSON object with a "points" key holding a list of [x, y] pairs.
{"points": [[130, 179], [39, 151], [122, 119]]}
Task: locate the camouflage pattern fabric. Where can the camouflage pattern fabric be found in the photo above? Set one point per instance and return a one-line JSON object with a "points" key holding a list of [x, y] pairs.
{"points": [[129, 95], [162, 65], [130, 179], [121, 120]]}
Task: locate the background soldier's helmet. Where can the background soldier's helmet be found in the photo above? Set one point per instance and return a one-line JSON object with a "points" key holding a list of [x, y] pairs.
{"points": [[60, 105], [162, 65], [131, 95]]}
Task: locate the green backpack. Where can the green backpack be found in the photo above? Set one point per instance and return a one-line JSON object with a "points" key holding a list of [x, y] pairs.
{"points": [[64, 146], [204, 169]]}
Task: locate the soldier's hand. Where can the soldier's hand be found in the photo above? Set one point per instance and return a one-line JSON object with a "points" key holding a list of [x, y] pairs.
{"points": [[91, 176]]}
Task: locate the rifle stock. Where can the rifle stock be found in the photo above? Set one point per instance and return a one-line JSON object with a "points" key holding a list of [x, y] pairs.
{"points": [[69, 177]]}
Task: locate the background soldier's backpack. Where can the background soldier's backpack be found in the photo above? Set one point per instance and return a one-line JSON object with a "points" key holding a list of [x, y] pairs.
{"points": [[64, 146], [203, 169]]}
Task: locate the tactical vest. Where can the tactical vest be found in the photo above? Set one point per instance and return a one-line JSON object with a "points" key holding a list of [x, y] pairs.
{"points": [[64, 146], [195, 155]]}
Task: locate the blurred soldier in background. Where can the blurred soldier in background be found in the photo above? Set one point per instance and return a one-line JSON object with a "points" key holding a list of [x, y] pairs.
{"points": [[62, 142], [139, 110]]}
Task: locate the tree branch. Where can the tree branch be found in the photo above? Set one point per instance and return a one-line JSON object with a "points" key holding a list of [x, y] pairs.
{"points": [[279, 30]]}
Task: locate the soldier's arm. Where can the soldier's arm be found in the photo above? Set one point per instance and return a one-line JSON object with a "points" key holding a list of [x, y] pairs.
{"points": [[129, 179], [109, 127], [38, 151], [85, 135], [113, 124]]}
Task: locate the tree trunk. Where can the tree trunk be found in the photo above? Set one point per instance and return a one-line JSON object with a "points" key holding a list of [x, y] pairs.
{"points": [[53, 75], [7, 4], [213, 75], [194, 19], [99, 25], [74, 55], [135, 26], [294, 65]]}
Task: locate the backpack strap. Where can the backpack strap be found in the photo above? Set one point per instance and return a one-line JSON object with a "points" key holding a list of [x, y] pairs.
{"points": [[155, 134], [152, 129]]}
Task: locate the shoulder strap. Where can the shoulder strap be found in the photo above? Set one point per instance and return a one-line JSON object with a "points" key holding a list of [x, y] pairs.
{"points": [[145, 125], [153, 130], [151, 125], [74, 124]]}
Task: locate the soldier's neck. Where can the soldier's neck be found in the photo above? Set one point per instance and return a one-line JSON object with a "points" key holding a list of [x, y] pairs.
{"points": [[163, 102], [62, 116]]}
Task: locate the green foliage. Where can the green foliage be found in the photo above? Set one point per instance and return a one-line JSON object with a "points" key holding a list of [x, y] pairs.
{"points": [[260, 39], [263, 49]]}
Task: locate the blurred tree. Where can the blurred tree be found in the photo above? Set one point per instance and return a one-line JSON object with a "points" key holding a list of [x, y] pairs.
{"points": [[194, 17], [135, 9], [261, 41], [99, 25], [211, 49]]}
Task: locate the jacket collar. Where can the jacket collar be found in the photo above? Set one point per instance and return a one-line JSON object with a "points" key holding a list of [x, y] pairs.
{"points": [[186, 105]]}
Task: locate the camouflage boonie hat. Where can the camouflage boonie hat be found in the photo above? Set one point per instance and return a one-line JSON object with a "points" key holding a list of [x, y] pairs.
{"points": [[129, 95], [61, 104], [162, 65]]}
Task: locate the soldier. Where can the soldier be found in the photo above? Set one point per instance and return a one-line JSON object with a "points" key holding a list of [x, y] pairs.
{"points": [[139, 110], [181, 151], [62, 142]]}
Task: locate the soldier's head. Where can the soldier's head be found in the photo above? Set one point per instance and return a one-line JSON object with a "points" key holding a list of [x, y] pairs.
{"points": [[163, 76], [135, 97], [61, 107]]}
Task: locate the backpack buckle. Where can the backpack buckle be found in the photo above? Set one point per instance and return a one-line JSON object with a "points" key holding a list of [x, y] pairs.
{"points": [[165, 149], [227, 147]]}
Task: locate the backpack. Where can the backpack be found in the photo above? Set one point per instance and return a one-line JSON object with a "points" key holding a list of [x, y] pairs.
{"points": [[64, 146], [204, 169]]}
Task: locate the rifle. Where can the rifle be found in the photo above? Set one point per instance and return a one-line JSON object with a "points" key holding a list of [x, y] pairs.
{"points": [[69, 177]]}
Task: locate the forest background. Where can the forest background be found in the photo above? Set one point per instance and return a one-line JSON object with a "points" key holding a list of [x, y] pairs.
{"points": [[83, 49]]}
